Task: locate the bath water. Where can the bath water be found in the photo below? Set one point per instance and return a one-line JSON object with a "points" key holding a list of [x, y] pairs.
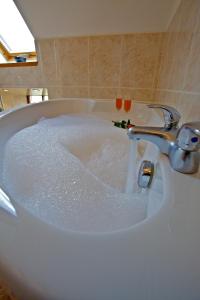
{"points": [[71, 172], [131, 181]]}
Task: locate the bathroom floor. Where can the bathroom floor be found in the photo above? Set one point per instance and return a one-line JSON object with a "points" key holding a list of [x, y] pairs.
{"points": [[5, 294]]}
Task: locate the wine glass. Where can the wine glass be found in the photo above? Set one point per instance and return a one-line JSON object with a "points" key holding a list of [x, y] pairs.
{"points": [[127, 105], [118, 103]]}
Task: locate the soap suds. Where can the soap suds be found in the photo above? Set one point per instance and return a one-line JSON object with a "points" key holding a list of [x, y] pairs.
{"points": [[70, 171]]}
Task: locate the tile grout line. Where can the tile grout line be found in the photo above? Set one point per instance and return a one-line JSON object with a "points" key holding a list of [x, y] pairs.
{"points": [[40, 61], [120, 65], [100, 87], [188, 62], [158, 66], [179, 92], [55, 57], [194, 32], [88, 88]]}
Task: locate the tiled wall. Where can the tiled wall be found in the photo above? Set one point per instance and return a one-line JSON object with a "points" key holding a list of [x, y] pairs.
{"points": [[97, 67], [178, 78], [161, 67]]}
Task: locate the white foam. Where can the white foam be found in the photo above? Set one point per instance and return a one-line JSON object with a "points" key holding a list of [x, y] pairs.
{"points": [[70, 171]]}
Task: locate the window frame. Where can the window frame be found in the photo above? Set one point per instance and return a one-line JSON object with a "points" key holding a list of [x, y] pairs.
{"points": [[10, 58]]}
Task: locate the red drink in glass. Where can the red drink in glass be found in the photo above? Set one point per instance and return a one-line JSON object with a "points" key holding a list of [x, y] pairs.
{"points": [[118, 103], [127, 105]]}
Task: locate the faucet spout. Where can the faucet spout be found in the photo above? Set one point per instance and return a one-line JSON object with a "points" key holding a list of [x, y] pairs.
{"points": [[180, 145], [159, 136]]}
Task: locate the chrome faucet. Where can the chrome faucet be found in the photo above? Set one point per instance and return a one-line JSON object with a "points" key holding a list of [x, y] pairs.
{"points": [[180, 145]]}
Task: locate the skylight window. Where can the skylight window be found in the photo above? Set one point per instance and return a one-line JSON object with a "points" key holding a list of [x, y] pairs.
{"points": [[14, 33], [2, 59]]}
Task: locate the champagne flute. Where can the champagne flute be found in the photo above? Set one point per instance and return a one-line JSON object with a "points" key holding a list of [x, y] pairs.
{"points": [[127, 105], [118, 103]]}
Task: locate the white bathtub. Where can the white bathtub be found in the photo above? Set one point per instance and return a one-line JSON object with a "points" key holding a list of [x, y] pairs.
{"points": [[157, 258]]}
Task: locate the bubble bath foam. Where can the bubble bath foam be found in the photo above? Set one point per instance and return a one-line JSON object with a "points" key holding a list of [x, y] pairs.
{"points": [[71, 171]]}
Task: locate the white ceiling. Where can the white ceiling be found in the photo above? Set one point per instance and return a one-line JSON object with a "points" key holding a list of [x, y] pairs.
{"points": [[57, 18]]}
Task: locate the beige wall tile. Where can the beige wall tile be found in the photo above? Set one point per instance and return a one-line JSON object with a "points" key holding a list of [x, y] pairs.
{"points": [[54, 92], [104, 61], [48, 61], [178, 78], [126, 93], [72, 60], [187, 104], [103, 93], [197, 28], [189, 15], [137, 94], [21, 77], [164, 72], [190, 107], [140, 56], [167, 97], [75, 92], [144, 95], [67, 92], [174, 61], [6, 77], [180, 60], [192, 82], [175, 22]]}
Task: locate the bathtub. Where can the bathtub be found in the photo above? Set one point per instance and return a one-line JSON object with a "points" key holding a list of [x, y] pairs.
{"points": [[155, 259]]}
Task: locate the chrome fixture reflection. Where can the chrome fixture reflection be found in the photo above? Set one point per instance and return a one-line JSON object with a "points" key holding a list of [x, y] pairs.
{"points": [[145, 174], [5, 203], [180, 145]]}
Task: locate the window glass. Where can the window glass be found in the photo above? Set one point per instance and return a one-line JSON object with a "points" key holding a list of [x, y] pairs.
{"points": [[14, 33], [2, 59]]}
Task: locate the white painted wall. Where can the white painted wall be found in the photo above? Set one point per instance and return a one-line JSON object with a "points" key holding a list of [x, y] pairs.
{"points": [[57, 18]]}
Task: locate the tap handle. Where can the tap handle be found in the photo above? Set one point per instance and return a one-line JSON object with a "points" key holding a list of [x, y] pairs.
{"points": [[171, 115], [188, 137]]}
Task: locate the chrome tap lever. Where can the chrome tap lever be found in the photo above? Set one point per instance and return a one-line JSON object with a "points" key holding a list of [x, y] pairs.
{"points": [[6, 204], [180, 145], [188, 138], [184, 155], [171, 115]]}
